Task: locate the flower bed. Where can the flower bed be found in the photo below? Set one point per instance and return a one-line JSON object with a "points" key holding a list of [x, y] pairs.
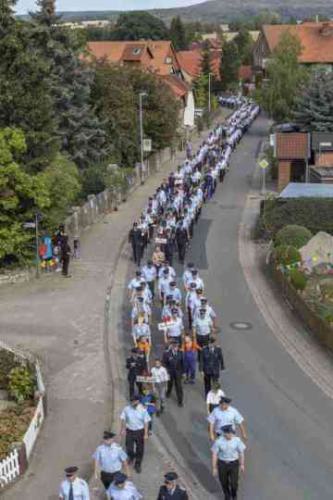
{"points": [[23, 395]]}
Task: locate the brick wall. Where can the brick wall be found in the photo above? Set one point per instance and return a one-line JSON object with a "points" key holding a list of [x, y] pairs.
{"points": [[324, 159]]}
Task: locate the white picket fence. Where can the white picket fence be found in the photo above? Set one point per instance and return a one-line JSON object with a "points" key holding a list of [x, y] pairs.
{"points": [[9, 468], [30, 436]]}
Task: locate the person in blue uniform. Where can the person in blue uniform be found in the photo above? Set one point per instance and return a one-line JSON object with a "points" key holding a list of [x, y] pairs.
{"points": [[122, 489], [73, 487], [170, 490], [109, 458]]}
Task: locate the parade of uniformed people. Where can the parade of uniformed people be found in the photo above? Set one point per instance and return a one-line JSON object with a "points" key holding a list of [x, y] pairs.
{"points": [[168, 306]]}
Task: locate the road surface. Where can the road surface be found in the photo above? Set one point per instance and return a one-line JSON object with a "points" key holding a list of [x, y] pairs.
{"points": [[290, 448]]}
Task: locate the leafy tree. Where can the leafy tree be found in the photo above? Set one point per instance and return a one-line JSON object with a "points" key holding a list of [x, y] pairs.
{"points": [[25, 85], [62, 182], [230, 64], [201, 91], [20, 194], [138, 26], [116, 105], [314, 106], [178, 33], [285, 77], [116, 94], [80, 133], [244, 43]]}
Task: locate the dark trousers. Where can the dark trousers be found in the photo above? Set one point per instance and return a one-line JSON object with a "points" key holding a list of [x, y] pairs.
{"points": [[65, 264], [131, 386], [135, 445], [208, 379], [181, 252], [176, 378], [228, 476], [137, 253], [151, 285], [107, 478]]}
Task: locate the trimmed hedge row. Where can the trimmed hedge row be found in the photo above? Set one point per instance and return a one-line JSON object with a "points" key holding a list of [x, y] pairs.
{"points": [[313, 213]]}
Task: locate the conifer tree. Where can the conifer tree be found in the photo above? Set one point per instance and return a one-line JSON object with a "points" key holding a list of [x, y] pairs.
{"points": [[178, 34], [25, 100], [81, 134], [314, 106]]}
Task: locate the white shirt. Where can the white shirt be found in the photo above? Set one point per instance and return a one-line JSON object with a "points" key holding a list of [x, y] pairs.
{"points": [[220, 417], [228, 450], [129, 492], [176, 329], [149, 273], [80, 489], [160, 374], [213, 398]]}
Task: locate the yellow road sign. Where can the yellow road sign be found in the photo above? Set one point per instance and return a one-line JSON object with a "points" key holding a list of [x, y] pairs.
{"points": [[263, 164]]}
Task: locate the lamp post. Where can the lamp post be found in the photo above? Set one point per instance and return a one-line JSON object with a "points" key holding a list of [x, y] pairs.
{"points": [[141, 96], [209, 92]]}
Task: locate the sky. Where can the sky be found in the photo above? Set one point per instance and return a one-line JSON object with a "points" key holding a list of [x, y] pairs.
{"points": [[24, 6]]}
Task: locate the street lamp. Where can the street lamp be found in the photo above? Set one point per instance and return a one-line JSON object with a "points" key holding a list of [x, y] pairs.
{"points": [[209, 92], [141, 96]]}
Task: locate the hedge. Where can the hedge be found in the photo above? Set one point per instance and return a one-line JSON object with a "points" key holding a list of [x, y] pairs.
{"points": [[294, 235], [313, 213]]}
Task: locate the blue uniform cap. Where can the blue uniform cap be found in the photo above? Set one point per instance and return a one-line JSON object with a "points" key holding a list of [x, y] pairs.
{"points": [[119, 478]]}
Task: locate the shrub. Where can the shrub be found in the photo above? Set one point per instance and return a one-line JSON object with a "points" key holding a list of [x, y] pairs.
{"points": [[313, 213], [21, 383], [286, 255], [14, 422], [7, 363], [294, 235], [298, 279]]}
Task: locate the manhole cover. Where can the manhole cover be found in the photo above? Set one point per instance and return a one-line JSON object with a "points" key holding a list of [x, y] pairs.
{"points": [[240, 325]]}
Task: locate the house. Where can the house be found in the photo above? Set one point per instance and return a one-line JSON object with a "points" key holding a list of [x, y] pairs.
{"points": [[322, 153], [133, 53], [292, 150], [304, 156], [191, 63], [158, 57], [316, 39]]}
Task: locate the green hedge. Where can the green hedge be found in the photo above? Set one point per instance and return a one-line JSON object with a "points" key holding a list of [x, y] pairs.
{"points": [[286, 255], [294, 235], [313, 213]]}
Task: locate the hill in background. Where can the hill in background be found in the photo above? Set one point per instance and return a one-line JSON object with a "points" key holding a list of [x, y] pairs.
{"points": [[218, 11]]}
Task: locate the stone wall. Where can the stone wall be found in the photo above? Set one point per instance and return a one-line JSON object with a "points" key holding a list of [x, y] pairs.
{"points": [[318, 326]]}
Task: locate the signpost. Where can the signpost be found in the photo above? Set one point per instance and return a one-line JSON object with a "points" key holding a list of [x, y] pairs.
{"points": [[34, 225], [263, 164]]}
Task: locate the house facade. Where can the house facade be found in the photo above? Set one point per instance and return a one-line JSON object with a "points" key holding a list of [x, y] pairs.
{"points": [[316, 41], [157, 57]]}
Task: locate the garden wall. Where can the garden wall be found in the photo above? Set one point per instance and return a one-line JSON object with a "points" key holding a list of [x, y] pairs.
{"points": [[317, 325], [16, 462]]}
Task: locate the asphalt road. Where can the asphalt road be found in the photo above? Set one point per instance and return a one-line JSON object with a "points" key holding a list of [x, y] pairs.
{"points": [[290, 447]]}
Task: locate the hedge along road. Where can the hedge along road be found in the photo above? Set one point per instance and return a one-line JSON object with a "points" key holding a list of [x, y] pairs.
{"points": [[290, 447]]}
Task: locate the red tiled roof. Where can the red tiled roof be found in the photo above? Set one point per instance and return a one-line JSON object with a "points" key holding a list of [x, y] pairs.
{"points": [[292, 146], [163, 51], [179, 88], [316, 40], [191, 60]]}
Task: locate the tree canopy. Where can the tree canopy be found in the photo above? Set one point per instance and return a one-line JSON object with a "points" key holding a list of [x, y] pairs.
{"points": [[230, 64], [178, 34], [285, 77], [138, 26], [313, 108]]}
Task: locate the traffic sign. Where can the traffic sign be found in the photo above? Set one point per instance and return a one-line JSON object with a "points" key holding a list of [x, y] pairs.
{"points": [[147, 145], [263, 164]]}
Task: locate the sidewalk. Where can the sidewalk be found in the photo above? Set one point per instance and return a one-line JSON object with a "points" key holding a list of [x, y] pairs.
{"points": [[65, 322]]}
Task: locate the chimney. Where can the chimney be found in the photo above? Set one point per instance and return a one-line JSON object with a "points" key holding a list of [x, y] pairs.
{"points": [[326, 29]]}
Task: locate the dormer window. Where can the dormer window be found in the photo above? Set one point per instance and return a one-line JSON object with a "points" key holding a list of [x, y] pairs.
{"points": [[168, 60], [136, 51]]}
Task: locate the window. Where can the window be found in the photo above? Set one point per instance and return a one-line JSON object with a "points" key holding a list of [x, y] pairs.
{"points": [[136, 51], [168, 60]]}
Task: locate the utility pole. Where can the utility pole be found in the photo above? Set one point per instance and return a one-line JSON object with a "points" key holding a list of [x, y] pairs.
{"points": [[37, 244], [141, 96], [209, 93]]}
